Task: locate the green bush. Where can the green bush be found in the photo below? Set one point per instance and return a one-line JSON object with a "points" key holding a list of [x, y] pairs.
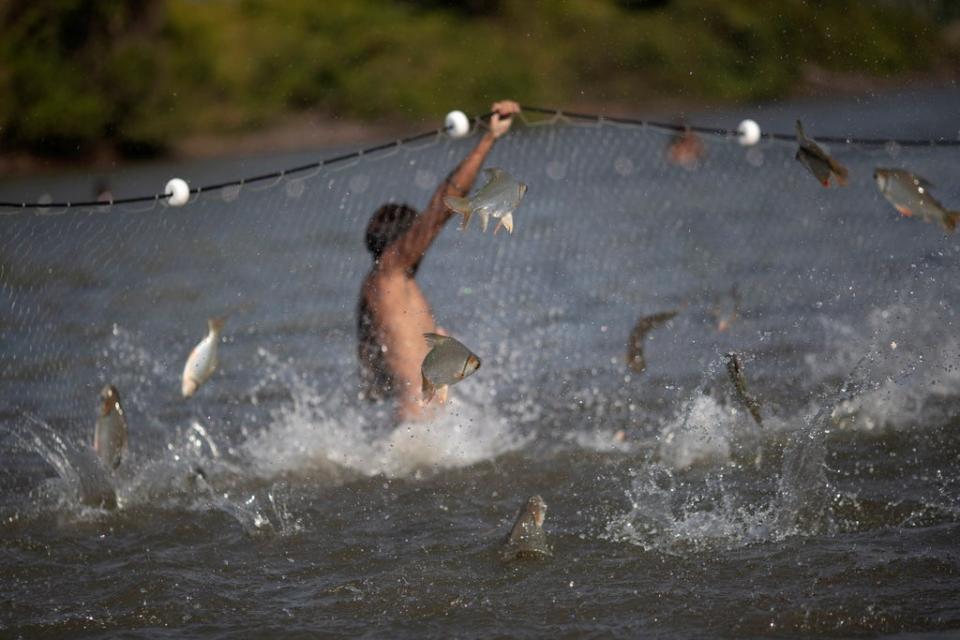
{"points": [[77, 74]]}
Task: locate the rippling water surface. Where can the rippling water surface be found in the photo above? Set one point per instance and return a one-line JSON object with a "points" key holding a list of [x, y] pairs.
{"points": [[671, 514]]}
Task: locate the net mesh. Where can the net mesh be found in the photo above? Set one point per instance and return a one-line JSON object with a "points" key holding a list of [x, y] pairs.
{"points": [[609, 231]]}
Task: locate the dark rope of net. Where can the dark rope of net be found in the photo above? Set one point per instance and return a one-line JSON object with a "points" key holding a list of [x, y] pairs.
{"points": [[572, 115], [714, 131]]}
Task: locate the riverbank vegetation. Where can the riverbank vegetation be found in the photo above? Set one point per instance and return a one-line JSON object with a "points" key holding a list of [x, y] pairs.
{"points": [[132, 75]]}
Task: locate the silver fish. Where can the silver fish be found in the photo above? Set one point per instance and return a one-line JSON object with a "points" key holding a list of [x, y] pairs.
{"points": [[635, 357], [821, 165], [910, 195], [749, 402], [110, 431], [448, 362], [527, 539], [498, 198], [203, 359]]}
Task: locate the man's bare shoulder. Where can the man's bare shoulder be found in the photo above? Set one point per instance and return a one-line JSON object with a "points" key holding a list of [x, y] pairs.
{"points": [[384, 282]]}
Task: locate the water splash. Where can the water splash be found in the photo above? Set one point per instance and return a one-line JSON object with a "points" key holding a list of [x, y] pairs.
{"points": [[709, 428], [262, 512], [702, 434], [915, 366], [675, 516], [327, 432], [83, 479]]}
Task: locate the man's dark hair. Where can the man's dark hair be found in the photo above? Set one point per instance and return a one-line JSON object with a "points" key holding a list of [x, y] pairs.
{"points": [[388, 223]]}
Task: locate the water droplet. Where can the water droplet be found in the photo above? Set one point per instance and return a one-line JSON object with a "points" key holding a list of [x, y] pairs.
{"points": [[295, 188], [556, 170], [623, 165], [359, 183]]}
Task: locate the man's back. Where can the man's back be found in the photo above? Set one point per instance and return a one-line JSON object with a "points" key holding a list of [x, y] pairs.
{"points": [[393, 316]]}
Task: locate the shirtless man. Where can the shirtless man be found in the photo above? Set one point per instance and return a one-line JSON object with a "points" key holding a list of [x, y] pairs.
{"points": [[393, 314]]}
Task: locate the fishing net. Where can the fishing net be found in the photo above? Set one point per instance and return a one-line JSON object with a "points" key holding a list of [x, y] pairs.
{"points": [[828, 281]]}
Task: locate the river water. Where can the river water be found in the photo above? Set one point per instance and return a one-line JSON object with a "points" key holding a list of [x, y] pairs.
{"points": [[671, 513]]}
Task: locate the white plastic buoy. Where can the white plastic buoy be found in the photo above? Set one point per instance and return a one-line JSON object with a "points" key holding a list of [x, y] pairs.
{"points": [[457, 124], [748, 133], [177, 192]]}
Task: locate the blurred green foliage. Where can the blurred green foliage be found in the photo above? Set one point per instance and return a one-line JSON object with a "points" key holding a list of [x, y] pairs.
{"points": [[75, 74]]}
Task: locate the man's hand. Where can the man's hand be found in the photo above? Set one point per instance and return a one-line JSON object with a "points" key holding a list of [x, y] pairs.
{"points": [[502, 118]]}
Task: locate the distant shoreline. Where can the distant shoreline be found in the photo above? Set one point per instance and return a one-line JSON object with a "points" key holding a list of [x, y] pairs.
{"points": [[306, 131]]}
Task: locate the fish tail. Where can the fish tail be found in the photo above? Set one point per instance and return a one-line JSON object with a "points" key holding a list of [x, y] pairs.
{"points": [[950, 220], [840, 171], [189, 387], [461, 206], [426, 389], [216, 324]]}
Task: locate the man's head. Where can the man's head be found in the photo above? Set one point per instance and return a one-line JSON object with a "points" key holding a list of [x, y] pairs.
{"points": [[388, 223]]}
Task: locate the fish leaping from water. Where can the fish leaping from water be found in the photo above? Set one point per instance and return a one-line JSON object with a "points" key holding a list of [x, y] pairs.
{"points": [[527, 539], [203, 359], [110, 431], [820, 164], [498, 198]]}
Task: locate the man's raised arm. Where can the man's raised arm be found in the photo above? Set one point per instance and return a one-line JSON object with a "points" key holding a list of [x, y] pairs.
{"points": [[408, 250]]}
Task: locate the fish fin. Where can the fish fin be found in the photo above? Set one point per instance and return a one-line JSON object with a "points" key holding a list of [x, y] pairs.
{"points": [[426, 388], [461, 206], [492, 174], [950, 220], [215, 325], [433, 339], [904, 211], [506, 222], [840, 171], [825, 182], [484, 221]]}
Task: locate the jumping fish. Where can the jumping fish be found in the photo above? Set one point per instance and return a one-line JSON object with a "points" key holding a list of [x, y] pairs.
{"points": [[448, 362], [821, 165], [526, 539], [110, 431], [498, 198], [686, 149], [203, 359], [635, 358], [749, 402], [910, 195]]}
